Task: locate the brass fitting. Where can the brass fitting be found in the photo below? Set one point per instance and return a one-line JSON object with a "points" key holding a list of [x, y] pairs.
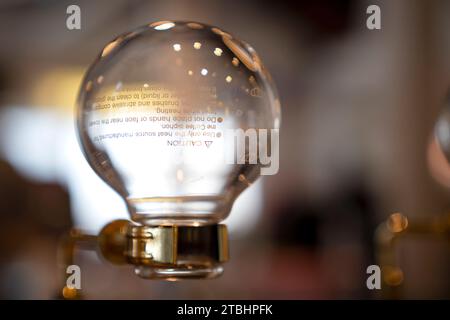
{"points": [[157, 252], [122, 242]]}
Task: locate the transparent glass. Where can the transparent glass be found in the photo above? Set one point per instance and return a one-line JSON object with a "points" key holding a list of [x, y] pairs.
{"points": [[442, 129], [153, 110]]}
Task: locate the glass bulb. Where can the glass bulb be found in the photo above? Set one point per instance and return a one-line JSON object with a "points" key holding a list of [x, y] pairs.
{"points": [[442, 129], [154, 110]]}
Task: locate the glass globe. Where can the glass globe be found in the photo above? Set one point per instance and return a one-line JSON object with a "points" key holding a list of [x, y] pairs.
{"points": [[153, 112], [442, 129]]}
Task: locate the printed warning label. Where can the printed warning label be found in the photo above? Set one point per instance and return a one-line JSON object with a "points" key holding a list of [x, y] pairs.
{"points": [[183, 119]]}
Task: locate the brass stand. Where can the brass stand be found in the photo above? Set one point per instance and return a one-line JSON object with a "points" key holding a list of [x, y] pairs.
{"points": [[387, 236], [157, 252], [75, 239]]}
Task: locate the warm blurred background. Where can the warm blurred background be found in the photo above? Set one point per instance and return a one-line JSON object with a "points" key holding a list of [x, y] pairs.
{"points": [[358, 107]]}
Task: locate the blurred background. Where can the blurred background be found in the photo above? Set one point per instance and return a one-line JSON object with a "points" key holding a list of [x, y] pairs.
{"points": [[358, 110]]}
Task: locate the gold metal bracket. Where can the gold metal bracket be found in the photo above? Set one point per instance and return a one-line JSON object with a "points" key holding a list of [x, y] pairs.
{"points": [[161, 252], [122, 242]]}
